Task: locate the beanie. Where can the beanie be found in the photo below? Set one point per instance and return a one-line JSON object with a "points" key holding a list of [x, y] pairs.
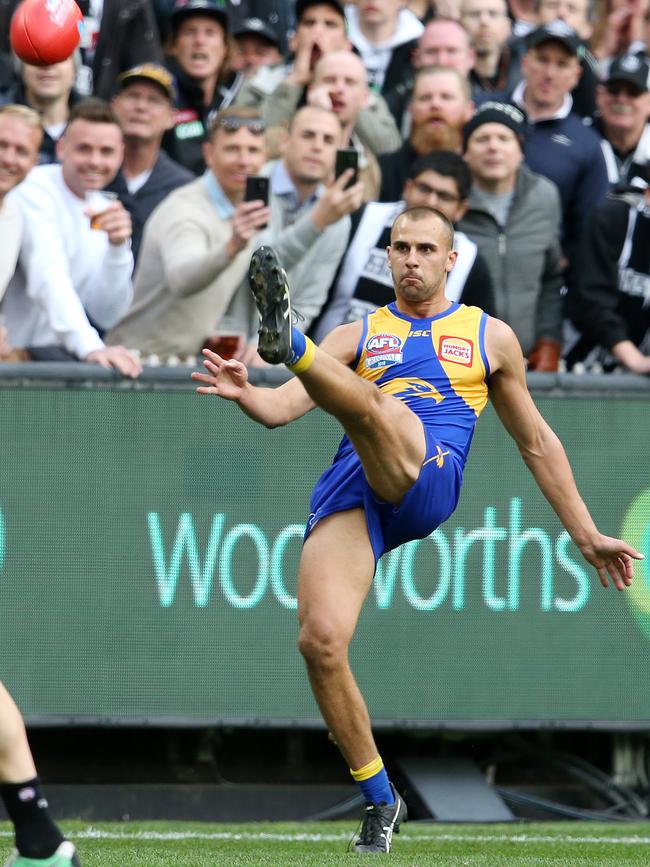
{"points": [[496, 112]]}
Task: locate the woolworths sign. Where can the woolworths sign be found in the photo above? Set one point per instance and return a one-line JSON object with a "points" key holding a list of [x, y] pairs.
{"points": [[143, 538]]}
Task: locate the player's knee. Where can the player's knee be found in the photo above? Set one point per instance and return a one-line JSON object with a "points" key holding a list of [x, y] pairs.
{"points": [[321, 645]]}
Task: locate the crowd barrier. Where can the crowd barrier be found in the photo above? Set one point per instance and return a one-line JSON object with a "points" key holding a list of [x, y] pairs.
{"points": [[148, 548]]}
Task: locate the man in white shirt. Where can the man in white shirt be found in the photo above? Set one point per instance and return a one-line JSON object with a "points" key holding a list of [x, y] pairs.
{"points": [[38, 840], [73, 281]]}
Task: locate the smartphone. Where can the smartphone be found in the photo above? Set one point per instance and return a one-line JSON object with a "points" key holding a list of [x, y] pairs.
{"points": [[257, 188], [347, 158]]}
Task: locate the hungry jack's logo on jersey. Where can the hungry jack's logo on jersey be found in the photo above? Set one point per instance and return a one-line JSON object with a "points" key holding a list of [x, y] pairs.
{"points": [[382, 350], [458, 350], [636, 531]]}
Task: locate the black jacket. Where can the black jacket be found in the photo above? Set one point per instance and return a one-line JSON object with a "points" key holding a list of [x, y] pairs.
{"points": [[166, 176], [192, 118], [394, 172], [128, 36], [611, 299]]}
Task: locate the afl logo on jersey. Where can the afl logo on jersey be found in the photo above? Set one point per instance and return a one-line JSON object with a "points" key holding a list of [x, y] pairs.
{"points": [[382, 350], [459, 350]]}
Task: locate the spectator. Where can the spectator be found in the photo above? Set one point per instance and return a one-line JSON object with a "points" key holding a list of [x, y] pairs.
{"points": [[489, 27], [143, 107], [197, 244], [385, 35], [444, 42], [257, 44], [70, 273], [440, 106], [575, 13], [279, 90], [117, 35], [609, 303], [20, 139], [198, 60], [624, 109], [440, 180], [340, 85], [620, 28], [558, 144], [514, 217], [50, 91]]}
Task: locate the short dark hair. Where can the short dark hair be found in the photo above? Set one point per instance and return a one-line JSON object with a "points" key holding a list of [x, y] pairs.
{"points": [[93, 110], [422, 212], [449, 165]]}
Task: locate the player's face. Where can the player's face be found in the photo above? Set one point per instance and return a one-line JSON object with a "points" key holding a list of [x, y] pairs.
{"points": [[444, 43], [310, 150], [493, 153], [232, 156], [19, 145], [572, 12], [49, 83], [487, 23], [433, 190], [345, 79], [419, 258], [143, 110], [623, 107], [254, 51], [90, 155], [200, 47], [551, 72]]}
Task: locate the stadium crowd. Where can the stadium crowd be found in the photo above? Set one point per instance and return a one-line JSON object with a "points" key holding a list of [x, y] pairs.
{"points": [[126, 224]]}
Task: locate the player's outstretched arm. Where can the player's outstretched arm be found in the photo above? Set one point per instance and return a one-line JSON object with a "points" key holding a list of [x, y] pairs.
{"points": [[271, 407], [544, 455]]}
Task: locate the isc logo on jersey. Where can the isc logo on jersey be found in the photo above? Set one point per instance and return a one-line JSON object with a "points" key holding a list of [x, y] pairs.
{"points": [[382, 350], [456, 349]]}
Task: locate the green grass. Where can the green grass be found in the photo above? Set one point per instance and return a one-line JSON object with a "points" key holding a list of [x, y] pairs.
{"points": [[193, 844]]}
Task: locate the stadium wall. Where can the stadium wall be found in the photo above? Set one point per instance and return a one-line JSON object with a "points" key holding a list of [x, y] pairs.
{"points": [[150, 538]]}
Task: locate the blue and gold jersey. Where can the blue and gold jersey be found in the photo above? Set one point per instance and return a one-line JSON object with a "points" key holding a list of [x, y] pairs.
{"points": [[438, 366]]}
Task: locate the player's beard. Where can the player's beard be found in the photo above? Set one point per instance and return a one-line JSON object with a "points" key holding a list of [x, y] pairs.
{"points": [[442, 137]]}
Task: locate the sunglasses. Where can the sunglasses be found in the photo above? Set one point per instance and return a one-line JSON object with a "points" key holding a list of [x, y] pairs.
{"points": [[618, 88], [232, 124]]}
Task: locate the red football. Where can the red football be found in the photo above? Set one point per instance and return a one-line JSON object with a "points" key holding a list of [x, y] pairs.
{"points": [[45, 31]]}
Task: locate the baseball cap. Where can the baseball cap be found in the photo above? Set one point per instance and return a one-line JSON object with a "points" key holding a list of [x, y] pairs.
{"points": [[303, 5], [257, 27], [556, 31], [497, 112], [153, 73], [213, 8], [632, 68]]}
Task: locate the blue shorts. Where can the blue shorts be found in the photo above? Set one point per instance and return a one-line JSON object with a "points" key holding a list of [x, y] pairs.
{"points": [[429, 503]]}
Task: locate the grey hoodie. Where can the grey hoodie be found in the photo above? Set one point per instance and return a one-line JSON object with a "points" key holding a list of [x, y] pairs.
{"points": [[524, 257]]}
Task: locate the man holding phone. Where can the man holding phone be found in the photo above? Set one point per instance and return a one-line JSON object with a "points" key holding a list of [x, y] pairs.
{"points": [[190, 281], [309, 222], [197, 243]]}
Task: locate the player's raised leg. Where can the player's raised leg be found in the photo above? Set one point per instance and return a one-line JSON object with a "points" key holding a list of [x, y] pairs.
{"points": [[387, 436], [39, 842], [336, 571]]}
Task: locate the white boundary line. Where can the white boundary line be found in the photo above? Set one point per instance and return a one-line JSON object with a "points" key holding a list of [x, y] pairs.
{"points": [[226, 836]]}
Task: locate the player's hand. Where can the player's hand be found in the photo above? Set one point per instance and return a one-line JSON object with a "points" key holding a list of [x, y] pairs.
{"points": [[613, 558], [248, 220], [119, 358], [116, 222], [228, 379], [336, 202]]}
